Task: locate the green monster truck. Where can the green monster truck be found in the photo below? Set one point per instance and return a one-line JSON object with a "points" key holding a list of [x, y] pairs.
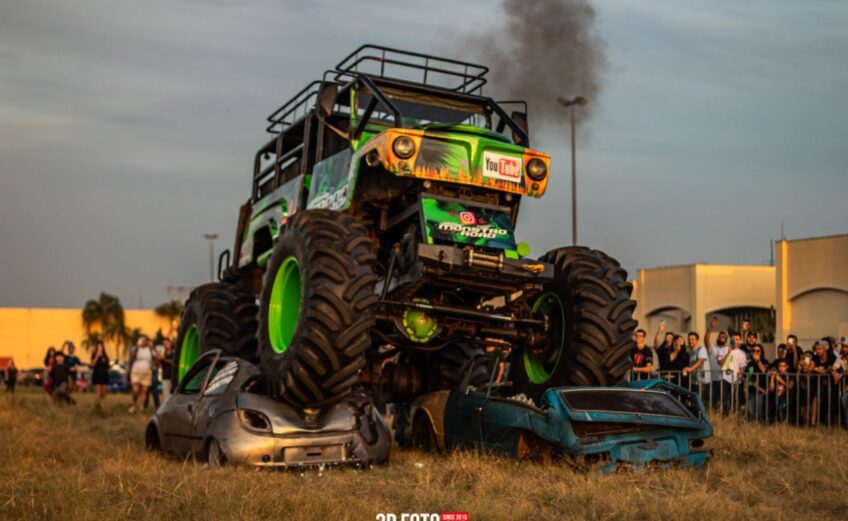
{"points": [[379, 244]]}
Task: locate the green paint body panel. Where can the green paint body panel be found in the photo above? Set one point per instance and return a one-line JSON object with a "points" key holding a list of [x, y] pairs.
{"points": [[458, 152], [460, 223]]}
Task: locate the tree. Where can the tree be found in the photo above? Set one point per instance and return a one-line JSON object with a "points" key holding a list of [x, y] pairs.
{"points": [[106, 312], [172, 311], [90, 341]]}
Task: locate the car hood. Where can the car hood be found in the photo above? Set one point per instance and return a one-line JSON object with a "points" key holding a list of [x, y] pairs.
{"points": [[285, 419]]}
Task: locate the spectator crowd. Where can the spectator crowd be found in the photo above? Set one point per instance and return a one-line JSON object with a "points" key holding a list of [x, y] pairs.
{"points": [[735, 376], [147, 375]]}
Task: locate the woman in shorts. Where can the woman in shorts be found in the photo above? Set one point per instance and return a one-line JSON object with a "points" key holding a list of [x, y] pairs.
{"points": [[141, 371]]}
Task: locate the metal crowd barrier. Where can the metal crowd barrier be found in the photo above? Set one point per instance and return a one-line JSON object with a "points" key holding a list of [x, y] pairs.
{"points": [[801, 399]]}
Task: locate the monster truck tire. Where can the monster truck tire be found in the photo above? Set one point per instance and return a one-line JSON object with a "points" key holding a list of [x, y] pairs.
{"points": [[216, 316], [444, 370], [448, 367], [590, 311], [316, 308]]}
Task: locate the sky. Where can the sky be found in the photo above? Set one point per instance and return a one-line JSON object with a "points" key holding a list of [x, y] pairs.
{"points": [[128, 129]]}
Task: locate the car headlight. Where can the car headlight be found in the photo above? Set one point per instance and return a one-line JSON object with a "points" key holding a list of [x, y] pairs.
{"points": [[536, 169], [254, 420], [403, 147]]}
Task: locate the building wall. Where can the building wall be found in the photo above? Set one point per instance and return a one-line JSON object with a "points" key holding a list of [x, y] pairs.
{"points": [[26, 333], [812, 287], [684, 296]]}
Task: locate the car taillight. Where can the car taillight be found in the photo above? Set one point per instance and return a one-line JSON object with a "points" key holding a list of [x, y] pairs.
{"points": [[254, 420]]}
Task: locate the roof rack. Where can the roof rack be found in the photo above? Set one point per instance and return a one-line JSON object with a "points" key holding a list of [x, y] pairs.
{"points": [[412, 67], [295, 108]]}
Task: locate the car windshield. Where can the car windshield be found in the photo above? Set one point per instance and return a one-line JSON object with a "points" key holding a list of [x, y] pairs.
{"points": [[624, 401]]}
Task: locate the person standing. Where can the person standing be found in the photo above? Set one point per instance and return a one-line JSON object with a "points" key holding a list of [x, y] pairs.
{"points": [[698, 363], [714, 353], [73, 365], [11, 377], [167, 364], [141, 371], [60, 375], [793, 353], [780, 389], [823, 361], [757, 383], [100, 373], [49, 358], [678, 359], [663, 350], [840, 379], [642, 357]]}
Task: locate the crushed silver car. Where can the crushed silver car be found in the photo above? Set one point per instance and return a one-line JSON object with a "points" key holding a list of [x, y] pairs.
{"points": [[221, 413]]}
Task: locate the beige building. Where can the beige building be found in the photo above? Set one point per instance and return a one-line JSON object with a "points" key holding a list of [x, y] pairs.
{"points": [[686, 297], [26, 333], [812, 288]]}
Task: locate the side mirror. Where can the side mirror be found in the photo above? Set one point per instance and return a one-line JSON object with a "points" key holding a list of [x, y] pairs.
{"points": [[327, 99], [520, 119]]}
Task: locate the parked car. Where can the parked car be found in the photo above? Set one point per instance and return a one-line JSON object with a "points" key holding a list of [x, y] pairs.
{"points": [[34, 376], [221, 412], [117, 381], [650, 423]]}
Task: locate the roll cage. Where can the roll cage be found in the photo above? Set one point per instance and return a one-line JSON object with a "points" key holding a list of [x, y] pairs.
{"points": [[316, 122]]}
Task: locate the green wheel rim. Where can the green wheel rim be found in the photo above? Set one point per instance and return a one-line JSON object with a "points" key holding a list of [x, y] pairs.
{"points": [[284, 307], [538, 371], [189, 351]]}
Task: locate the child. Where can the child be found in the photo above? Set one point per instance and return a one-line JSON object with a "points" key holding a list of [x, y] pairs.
{"points": [[60, 374]]}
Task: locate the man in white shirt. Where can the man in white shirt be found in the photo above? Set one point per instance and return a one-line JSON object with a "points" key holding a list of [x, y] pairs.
{"points": [[732, 361]]}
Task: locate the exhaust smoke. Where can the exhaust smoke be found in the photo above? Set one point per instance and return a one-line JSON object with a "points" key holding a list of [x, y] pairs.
{"points": [[543, 50]]}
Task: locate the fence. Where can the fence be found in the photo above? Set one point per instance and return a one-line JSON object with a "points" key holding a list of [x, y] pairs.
{"points": [[802, 399]]}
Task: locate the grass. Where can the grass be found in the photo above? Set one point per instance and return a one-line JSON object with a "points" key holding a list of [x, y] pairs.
{"points": [[76, 463]]}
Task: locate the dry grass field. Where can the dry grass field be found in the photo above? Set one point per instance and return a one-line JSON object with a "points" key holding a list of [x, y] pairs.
{"points": [[75, 464]]}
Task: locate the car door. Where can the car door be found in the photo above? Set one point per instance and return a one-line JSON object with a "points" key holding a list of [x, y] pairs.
{"points": [[210, 404], [177, 415]]}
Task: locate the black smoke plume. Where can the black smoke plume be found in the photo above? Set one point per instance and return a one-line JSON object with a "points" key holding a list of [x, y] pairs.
{"points": [[543, 50]]}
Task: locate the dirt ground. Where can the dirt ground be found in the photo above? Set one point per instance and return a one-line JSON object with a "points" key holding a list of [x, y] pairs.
{"points": [[76, 463]]}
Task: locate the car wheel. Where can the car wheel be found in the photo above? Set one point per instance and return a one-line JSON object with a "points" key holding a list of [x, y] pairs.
{"points": [[214, 455], [151, 439]]}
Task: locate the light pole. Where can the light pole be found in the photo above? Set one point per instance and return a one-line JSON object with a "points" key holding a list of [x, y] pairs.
{"points": [[211, 237], [573, 103]]}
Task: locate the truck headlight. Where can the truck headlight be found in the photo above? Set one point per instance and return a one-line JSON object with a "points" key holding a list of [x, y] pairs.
{"points": [[536, 169], [403, 147]]}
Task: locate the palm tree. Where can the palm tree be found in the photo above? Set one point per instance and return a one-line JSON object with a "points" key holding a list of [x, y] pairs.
{"points": [[107, 312], [172, 311], [90, 341]]}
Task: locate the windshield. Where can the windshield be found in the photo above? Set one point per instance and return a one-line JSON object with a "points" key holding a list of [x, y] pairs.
{"points": [[624, 401], [420, 109]]}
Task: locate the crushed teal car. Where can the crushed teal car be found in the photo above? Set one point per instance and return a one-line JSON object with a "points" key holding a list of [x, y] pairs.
{"points": [[645, 424]]}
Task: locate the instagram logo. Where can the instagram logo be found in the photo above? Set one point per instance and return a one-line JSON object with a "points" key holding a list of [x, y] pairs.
{"points": [[467, 218]]}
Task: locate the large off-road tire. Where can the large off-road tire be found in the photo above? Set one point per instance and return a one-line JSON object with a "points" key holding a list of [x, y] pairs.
{"points": [[316, 308], [442, 370], [590, 311], [216, 316], [449, 365]]}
